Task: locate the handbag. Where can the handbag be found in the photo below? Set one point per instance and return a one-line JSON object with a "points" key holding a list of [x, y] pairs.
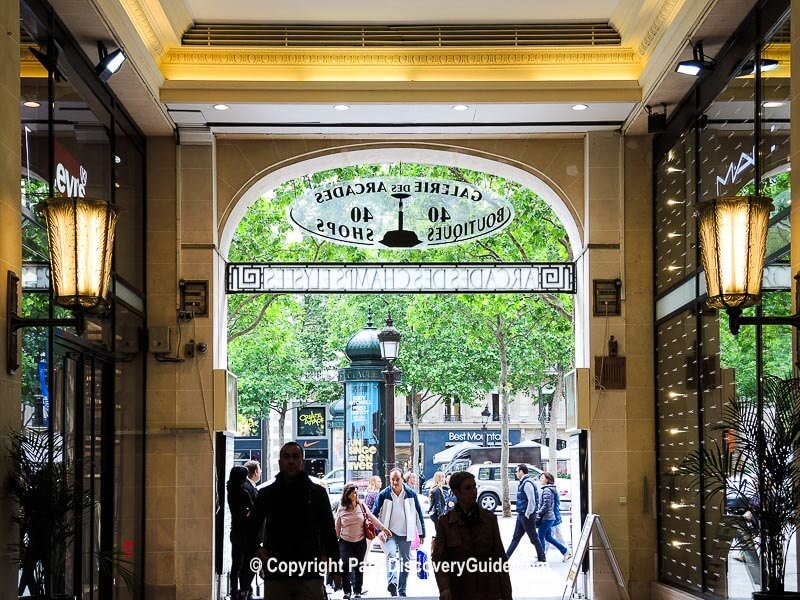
{"points": [[369, 527]]}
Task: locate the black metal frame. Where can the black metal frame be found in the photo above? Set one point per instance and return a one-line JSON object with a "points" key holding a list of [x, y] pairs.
{"points": [[570, 288], [51, 32], [688, 117]]}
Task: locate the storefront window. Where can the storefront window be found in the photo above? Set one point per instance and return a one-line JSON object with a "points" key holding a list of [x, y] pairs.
{"points": [[742, 149], [87, 390], [675, 206]]}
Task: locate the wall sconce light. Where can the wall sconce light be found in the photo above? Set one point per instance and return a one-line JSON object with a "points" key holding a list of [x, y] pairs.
{"points": [[80, 232], [109, 63], [698, 64], [733, 239]]}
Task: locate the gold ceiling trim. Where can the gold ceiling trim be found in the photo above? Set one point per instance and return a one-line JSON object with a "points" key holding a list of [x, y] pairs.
{"points": [[666, 11], [401, 64], [142, 24]]}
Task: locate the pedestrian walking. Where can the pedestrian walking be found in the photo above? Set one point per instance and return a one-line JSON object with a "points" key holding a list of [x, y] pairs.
{"points": [[527, 503], [240, 503], [351, 519], [468, 557], [299, 534], [438, 500], [399, 510], [373, 489], [546, 515]]}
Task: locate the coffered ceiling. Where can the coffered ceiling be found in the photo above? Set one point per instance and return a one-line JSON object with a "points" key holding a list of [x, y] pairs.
{"points": [[409, 84]]}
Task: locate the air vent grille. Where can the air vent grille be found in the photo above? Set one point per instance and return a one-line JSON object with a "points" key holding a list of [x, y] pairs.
{"points": [[377, 36]]}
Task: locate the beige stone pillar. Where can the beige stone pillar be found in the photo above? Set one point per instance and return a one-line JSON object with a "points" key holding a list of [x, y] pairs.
{"points": [[621, 439], [10, 259], [181, 499]]}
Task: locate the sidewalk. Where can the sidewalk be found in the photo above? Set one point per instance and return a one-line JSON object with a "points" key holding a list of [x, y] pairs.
{"points": [[526, 581]]}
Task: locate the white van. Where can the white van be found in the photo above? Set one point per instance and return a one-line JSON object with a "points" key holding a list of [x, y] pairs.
{"points": [[490, 496]]}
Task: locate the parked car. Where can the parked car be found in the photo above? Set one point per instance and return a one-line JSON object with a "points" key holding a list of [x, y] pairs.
{"points": [[487, 476], [738, 491], [334, 480]]}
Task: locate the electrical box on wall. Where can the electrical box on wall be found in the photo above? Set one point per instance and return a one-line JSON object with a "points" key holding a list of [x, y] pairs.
{"points": [[160, 340], [577, 393], [225, 400], [607, 297], [194, 298]]}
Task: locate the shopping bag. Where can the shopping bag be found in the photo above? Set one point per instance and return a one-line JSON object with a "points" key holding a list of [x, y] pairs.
{"points": [[415, 542], [422, 564]]}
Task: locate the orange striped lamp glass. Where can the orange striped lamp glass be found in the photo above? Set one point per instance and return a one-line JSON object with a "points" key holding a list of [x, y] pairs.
{"points": [[733, 240], [81, 236]]}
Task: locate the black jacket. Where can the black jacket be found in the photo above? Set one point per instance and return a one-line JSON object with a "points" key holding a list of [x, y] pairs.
{"points": [[438, 500], [240, 503], [299, 523]]}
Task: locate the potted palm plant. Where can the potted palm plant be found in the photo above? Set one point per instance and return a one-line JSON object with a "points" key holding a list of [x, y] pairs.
{"points": [[755, 464], [41, 485]]}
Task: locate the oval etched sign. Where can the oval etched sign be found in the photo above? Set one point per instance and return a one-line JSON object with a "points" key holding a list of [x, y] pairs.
{"points": [[400, 212]]}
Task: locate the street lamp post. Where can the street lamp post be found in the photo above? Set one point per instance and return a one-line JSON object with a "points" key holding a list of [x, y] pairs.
{"points": [[389, 339], [485, 414]]}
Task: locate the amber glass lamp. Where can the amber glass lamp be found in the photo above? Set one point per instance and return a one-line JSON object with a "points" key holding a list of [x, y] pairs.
{"points": [[733, 239], [81, 236], [80, 232]]}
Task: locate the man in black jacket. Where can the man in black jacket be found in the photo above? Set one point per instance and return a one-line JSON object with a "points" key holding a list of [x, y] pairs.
{"points": [[299, 538]]}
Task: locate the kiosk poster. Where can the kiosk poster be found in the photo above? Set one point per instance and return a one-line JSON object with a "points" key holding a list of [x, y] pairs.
{"points": [[362, 430]]}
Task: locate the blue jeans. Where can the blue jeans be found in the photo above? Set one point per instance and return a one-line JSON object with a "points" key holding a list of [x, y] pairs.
{"points": [[525, 525], [546, 535], [393, 547]]}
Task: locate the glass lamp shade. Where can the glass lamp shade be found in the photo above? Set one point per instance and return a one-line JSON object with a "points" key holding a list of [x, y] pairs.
{"points": [[81, 236], [733, 239], [389, 339]]}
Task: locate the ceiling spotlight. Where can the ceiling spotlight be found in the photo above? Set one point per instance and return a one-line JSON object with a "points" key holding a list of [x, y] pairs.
{"points": [[697, 65], [772, 104], [341, 107], [580, 107], [221, 107], [109, 63], [765, 65], [31, 104], [460, 107]]}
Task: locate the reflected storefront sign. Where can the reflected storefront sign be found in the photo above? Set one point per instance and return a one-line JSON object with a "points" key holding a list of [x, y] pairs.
{"points": [[400, 212]]}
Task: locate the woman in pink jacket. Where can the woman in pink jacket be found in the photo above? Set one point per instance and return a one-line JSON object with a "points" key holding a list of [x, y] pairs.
{"points": [[352, 543]]}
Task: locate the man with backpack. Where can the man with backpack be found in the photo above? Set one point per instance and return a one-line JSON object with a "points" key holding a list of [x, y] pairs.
{"points": [[527, 503]]}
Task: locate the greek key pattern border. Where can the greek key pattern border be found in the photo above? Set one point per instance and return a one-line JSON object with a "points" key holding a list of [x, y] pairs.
{"points": [[414, 278]]}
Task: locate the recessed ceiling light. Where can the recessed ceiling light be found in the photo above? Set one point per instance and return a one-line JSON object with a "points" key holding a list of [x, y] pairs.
{"points": [[580, 107], [341, 107], [31, 104], [221, 107], [460, 107], [772, 104]]}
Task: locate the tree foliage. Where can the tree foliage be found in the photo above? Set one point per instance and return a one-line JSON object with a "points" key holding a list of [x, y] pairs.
{"points": [[287, 348]]}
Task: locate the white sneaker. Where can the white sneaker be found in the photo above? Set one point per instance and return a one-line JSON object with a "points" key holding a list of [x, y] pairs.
{"points": [[539, 563], [568, 556]]}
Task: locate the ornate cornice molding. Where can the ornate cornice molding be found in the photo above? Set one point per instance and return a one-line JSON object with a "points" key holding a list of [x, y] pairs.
{"points": [[380, 57], [141, 21], [666, 11], [401, 64]]}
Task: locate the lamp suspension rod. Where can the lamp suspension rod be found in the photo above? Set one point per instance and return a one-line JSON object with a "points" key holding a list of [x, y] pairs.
{"points": [[736, 320], [14, 322]]}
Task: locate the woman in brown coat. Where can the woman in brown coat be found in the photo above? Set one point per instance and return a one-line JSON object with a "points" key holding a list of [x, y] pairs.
{"points": [[468, 556]]}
